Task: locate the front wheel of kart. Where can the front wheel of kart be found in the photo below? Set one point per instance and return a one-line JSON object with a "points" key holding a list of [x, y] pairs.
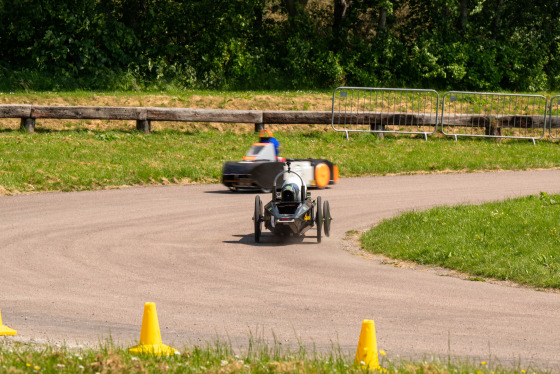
{"points": [[257, 218], [327, 217], [319, 219]]}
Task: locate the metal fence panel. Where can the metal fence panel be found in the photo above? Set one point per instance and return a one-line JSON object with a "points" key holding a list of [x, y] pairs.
{"points": [[554, 117], [493, 115], [385, 110]]}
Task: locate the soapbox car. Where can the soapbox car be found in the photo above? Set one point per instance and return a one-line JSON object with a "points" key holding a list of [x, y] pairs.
{"points": [[260, 166], [291, 212]]}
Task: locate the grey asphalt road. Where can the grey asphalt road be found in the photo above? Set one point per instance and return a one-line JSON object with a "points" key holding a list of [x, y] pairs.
{"points": [[78, 268]]}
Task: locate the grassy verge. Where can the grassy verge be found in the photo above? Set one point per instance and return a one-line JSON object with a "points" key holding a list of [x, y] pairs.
{"points": [[220, 358], [517, 239], [74, 160]]}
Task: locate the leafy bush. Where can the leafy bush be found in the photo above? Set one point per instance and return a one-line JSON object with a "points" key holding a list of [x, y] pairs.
{"points": [[273, 44]]}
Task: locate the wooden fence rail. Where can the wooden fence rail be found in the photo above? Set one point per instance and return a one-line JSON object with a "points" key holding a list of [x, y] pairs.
{"points": [[145, 115]]}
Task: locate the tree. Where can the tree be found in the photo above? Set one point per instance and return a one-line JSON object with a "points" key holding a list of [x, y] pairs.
{"points": [[463, 11], [294, 8], [340, 9]]}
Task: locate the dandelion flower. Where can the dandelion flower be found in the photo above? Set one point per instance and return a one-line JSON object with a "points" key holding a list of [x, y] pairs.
{"points": [[382, 353]]}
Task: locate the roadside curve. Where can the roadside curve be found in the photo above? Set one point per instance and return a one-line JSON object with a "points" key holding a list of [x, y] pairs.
{"points": [[78, 267]]}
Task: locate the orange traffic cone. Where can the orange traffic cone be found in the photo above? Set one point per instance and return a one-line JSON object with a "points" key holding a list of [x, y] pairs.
{"points": [[150, 335], [366, 355], [5, 330]]}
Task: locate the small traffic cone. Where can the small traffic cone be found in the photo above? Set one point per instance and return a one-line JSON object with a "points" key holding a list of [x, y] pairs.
{"points": [[150, 336], [366, 355], [5, 330]]}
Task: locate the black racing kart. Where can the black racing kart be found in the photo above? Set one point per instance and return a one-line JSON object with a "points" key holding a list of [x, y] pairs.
{"points": [[291, 212], [260, 165]]}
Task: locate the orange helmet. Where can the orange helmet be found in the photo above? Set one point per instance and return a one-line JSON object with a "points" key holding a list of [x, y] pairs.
{"points": [[265, 133]]}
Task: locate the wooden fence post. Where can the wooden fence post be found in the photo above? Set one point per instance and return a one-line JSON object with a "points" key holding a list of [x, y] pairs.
{"points": [[259, 127], [378, 127], [144, 125], [28, 124]]}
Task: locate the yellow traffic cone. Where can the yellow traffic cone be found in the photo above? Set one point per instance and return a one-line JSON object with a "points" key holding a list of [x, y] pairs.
{"points": [[150, 336], [367, 355], [5, 330]]}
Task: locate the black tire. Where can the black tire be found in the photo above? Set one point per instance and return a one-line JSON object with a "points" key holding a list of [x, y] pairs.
{"points": [[319, 219], [257, 218], [327, 218]]}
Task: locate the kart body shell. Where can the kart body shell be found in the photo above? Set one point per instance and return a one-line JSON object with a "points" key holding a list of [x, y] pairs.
{"points": [[293, 215], [260, 166]]}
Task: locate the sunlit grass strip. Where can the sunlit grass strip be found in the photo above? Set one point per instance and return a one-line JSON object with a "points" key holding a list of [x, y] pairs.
{"points": [[73, 161], [220, 358], [517, 239], [89, 160]]}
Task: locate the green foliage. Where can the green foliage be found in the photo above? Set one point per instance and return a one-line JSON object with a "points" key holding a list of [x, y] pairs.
{"points": [[273, 44]]}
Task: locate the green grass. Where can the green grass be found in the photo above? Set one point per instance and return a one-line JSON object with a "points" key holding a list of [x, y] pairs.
{"points": [[86, 160], [516, 240], [218, 358]]}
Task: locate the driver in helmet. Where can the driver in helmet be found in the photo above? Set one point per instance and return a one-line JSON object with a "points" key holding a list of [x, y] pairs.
{"points": [[291, 190], [265, 136]]}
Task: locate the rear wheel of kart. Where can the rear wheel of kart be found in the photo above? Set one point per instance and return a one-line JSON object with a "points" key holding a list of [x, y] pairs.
{"points": [[335, 174], [266, 190], [319, 219], [257, 218], [322, 175], [327, 218]]}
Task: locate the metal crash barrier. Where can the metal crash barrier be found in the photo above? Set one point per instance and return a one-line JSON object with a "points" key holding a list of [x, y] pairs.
{"points": [[385, 110], [493, 115], [554, 117]]}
